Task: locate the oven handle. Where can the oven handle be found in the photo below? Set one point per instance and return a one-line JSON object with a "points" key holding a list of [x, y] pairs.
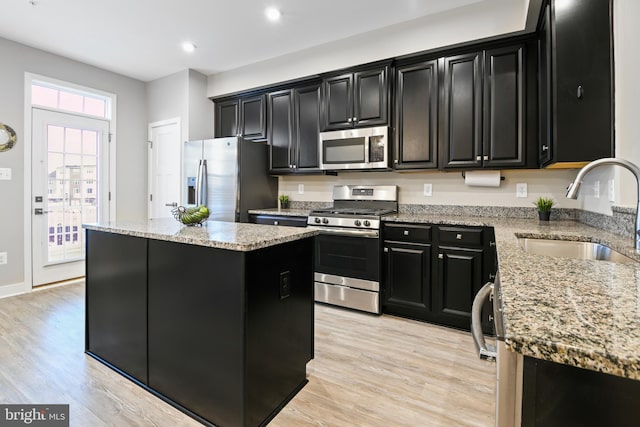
{"points": [[372, 234], [485, 351]]}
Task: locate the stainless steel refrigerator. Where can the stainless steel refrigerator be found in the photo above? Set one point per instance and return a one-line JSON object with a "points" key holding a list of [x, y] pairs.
{"points": [[229, 176]]}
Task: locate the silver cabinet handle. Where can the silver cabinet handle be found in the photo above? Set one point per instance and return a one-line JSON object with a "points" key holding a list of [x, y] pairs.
{"points": [[386, 249], [485, 351], [478, 158], [349, 120], [275, 223], [406, 232], [355, 119], [545, 148], [440, 256], [173, 205], [485, 158], [458, 236]]}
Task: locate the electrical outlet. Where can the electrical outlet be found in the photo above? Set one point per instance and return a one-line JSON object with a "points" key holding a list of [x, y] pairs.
{"points": [[3, 258], [300, 188], [521, 189], [428, 190], [596, 190], [285, 284], [612, 190], [5, 174]]}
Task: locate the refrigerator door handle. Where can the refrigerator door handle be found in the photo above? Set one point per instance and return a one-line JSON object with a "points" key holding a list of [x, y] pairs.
{"points": [[201, 183]]}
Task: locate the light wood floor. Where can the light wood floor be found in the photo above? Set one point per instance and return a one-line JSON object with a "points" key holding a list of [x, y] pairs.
{"points": [[368, 371]]}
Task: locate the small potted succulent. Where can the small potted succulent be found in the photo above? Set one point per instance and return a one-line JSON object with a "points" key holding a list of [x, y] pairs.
{"points": [[284, 201], [544, 205]]}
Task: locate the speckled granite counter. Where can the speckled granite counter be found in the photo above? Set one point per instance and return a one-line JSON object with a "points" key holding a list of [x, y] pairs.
{"points": [[224, 235], [577, 312]]}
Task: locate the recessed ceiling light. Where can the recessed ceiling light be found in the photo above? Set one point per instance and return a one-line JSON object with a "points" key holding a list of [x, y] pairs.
{"points": [[188, 47], [272, 14]]}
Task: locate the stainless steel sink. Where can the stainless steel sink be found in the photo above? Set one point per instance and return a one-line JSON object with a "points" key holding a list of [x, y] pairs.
{"points": [[571, 249]]}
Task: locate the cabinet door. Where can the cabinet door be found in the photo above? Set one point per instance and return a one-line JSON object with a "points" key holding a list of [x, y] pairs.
{"points": [[307, 126], [582, 86], [280, 107], [462, 111], [407, 287], [338, 102], [545, 106], [504, 107], [417, 116], [227, 117], [370, 97], [252, 118], [459, 279], [116, 301]]}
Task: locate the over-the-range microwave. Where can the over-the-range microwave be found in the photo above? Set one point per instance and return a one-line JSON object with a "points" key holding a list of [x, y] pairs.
{"points": [[365, 148]]}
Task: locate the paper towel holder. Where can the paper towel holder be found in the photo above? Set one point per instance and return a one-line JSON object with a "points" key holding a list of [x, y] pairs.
{"points": [[501, 177]]}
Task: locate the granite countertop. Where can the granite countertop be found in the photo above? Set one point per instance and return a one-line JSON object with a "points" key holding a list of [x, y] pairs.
{"points": [[280, 212], [578, 312], [224, 235]]}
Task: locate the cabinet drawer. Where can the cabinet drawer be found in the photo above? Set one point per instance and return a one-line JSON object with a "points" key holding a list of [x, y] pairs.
{"points": [[291, 221], [407, 233], [461, 236]]}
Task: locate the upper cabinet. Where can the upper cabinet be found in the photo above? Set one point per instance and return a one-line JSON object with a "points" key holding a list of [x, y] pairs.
{"points": [[245, 117], [484, 108], [294, 129], [416, 120], [356, 99], [576, 119]]}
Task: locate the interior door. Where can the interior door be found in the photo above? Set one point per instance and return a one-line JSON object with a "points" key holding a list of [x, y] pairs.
{"points": [[164, 168], [70, 177]]}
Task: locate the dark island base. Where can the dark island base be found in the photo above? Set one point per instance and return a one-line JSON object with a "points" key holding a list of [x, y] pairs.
{"points": [[222, 335]]}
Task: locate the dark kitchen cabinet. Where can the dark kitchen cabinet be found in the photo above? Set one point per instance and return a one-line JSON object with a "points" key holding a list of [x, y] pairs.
{"points": [[291, 221], [356, 99], [432, 273], [294, 127], [116, 301], [227, 116], [245, 117], [483, 119], [576, 80], [407, 272], [416, 116]]}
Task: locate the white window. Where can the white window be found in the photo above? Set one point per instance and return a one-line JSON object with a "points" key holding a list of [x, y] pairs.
{"points": [[49, 95]]}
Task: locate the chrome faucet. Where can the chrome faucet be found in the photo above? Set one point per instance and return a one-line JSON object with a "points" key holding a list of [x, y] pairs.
{"points": [[574, 188]]}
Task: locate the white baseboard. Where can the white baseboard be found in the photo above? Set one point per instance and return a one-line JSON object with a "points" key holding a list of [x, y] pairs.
{"points": [[13, 290]]}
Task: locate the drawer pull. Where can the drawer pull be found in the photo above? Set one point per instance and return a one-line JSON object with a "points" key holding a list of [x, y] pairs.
{"points": [[275, 223], [440, 256], [459, 236], [406, 232]]}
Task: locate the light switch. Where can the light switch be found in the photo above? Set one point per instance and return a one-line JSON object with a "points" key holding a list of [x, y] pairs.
{"points": [[612, 190], [300, 188], [521, 189], [5, 173], [428, 190], [596, 189], [3, 258]]}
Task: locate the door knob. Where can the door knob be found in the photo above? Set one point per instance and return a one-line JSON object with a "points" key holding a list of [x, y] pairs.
{"points": [[172, 205]]}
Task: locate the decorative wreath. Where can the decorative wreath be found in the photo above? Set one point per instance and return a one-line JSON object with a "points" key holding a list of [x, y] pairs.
{"points": [[7, 138]]}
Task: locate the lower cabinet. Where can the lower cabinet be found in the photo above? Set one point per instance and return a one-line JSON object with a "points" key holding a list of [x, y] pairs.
{"points": [[432, 273]]}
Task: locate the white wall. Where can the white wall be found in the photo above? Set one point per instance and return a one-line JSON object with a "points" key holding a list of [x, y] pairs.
{"points": [[131, 148], [483, 19]]}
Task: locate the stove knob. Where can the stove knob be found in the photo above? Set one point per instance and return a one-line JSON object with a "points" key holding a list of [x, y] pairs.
{"points": [[317, 220], [366, 223], [357, 223], [325, 221]]}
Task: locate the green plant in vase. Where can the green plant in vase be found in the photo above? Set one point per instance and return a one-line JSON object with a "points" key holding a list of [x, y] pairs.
{"points": [[544, 205], [284, 201]]}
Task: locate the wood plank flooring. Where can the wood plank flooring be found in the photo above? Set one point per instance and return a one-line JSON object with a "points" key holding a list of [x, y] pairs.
{"points": [[368, 371]]}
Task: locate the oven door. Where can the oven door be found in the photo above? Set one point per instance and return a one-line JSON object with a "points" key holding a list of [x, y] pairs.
{"points": [[348, 253]]}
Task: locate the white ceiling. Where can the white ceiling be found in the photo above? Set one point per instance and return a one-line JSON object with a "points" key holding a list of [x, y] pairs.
{"points": [[142, 38]]}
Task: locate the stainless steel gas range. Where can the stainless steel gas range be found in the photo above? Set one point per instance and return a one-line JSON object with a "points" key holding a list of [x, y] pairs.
{"points": [[347, 251]]}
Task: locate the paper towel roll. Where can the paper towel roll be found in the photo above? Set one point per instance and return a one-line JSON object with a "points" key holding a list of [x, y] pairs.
{"points": [[482, 178]]}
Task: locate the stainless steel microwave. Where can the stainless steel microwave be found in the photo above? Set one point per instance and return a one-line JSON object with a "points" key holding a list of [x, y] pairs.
{"points": [[365, 148]]}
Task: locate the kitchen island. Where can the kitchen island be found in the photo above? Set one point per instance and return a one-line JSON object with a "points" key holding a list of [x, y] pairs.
{"points": [[216, 320]]}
